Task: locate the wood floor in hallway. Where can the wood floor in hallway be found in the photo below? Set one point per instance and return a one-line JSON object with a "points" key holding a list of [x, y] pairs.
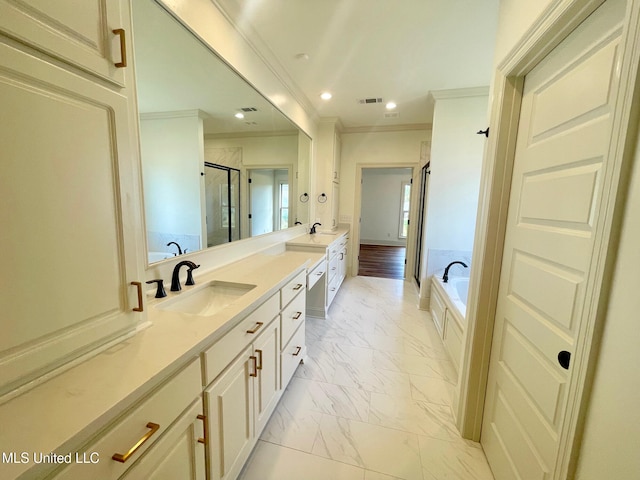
{"points": [[382, 261]]}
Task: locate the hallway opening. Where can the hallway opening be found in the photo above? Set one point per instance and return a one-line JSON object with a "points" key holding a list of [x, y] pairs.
{"points": [[384, 222]]}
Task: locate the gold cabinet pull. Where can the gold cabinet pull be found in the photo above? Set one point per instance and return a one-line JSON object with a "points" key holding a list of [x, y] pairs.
{"points": [[153, 428], [140, 307], [201, 439], [259, 364], [297, 351], [255, 366], [297, 315], [123, 48], [298, 286], [256, 328]]}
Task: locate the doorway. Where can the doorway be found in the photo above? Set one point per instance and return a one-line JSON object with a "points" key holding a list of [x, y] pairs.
{"points": [[384, 221], [551, 270], [269, 200]]}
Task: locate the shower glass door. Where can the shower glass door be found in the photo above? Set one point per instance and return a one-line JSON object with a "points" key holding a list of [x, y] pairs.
{"points": [[222, 198]]}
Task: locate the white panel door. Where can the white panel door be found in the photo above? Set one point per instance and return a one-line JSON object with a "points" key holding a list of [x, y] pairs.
{"points": [[78, 32], [69, 217], [561, 149]]}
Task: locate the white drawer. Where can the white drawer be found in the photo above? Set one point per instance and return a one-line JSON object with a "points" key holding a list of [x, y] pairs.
{"points": [[316, 274], [221, 353], [337, 245], [333, 266], [292, 288], [291, 318], [332, 289], [291, 355], [149, 419]]}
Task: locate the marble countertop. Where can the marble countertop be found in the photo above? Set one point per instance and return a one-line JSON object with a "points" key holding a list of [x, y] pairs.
{"points": [[320, 239], [64, 412]]}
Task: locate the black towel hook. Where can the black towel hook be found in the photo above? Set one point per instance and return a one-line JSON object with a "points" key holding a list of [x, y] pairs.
{"points": [[483, 132]]}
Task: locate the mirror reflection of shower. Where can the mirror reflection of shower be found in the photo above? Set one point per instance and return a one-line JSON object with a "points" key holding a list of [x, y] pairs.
{"points": [[222, 200], [268, 200]]}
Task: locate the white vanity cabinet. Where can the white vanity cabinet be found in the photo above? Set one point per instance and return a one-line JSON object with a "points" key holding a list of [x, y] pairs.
{"points": [[242, 395], [324, 281], [69, 168], [161, 437], [292, 319], [79, 33], [337, 266]]}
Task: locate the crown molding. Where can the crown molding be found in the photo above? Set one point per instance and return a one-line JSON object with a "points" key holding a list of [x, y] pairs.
{"points": [[175, 114], [279, 133], [389, 128], [460, 93]]}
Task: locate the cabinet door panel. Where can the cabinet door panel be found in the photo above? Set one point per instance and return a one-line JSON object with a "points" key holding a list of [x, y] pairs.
{"points": [[80, 33], [229, 412], [267, 351], [71, 220]]}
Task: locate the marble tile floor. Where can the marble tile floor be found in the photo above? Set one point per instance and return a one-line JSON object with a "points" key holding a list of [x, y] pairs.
{"points": [[372, 400]]}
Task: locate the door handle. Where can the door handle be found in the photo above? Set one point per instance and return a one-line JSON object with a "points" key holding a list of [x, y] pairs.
{"points": [[564, 359]]}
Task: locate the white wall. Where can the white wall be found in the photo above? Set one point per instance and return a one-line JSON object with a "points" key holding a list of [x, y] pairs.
{"points": [[515, 17], [381, 203], [375, 148], [172, 157], [454, 183], [456, 161], [270, 150]]}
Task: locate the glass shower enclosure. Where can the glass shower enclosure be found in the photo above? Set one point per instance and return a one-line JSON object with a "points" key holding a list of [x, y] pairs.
{"points": [[222, 199]]}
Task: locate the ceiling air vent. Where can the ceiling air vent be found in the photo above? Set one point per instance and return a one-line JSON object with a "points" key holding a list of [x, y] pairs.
{"points": [[391, 115], [250, 123], [248, 109], [365, 101]]}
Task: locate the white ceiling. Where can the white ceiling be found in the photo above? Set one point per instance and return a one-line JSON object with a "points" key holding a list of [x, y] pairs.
{"points": [[399, 50]]}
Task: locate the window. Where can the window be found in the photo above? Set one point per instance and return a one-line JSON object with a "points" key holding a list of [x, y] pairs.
{"points": [[405, 197], [284, 206]]}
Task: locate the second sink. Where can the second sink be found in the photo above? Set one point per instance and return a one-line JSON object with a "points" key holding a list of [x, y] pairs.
{"points": [[207, 300]]}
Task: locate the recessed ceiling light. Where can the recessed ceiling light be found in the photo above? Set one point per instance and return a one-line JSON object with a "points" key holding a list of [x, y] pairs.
{"points": [[325, 96], [391, 106], [239, 115]]}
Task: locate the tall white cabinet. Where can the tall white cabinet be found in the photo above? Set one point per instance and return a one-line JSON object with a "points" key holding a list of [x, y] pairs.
{"points": [[70, 214], [328, 172]]}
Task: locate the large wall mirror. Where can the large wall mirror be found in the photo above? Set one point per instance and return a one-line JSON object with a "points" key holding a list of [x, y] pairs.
{"points": [[219, 162]]}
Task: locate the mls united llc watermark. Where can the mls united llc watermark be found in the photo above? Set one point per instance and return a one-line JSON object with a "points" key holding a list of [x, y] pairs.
{"points": [[55, 458]]}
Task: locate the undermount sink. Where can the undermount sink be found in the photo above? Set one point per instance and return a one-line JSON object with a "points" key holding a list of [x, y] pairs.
{"points": [[207, 300], [326, 233]]}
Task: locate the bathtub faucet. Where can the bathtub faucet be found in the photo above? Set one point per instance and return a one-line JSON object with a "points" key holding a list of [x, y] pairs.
{"points": [[445, 277]]}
